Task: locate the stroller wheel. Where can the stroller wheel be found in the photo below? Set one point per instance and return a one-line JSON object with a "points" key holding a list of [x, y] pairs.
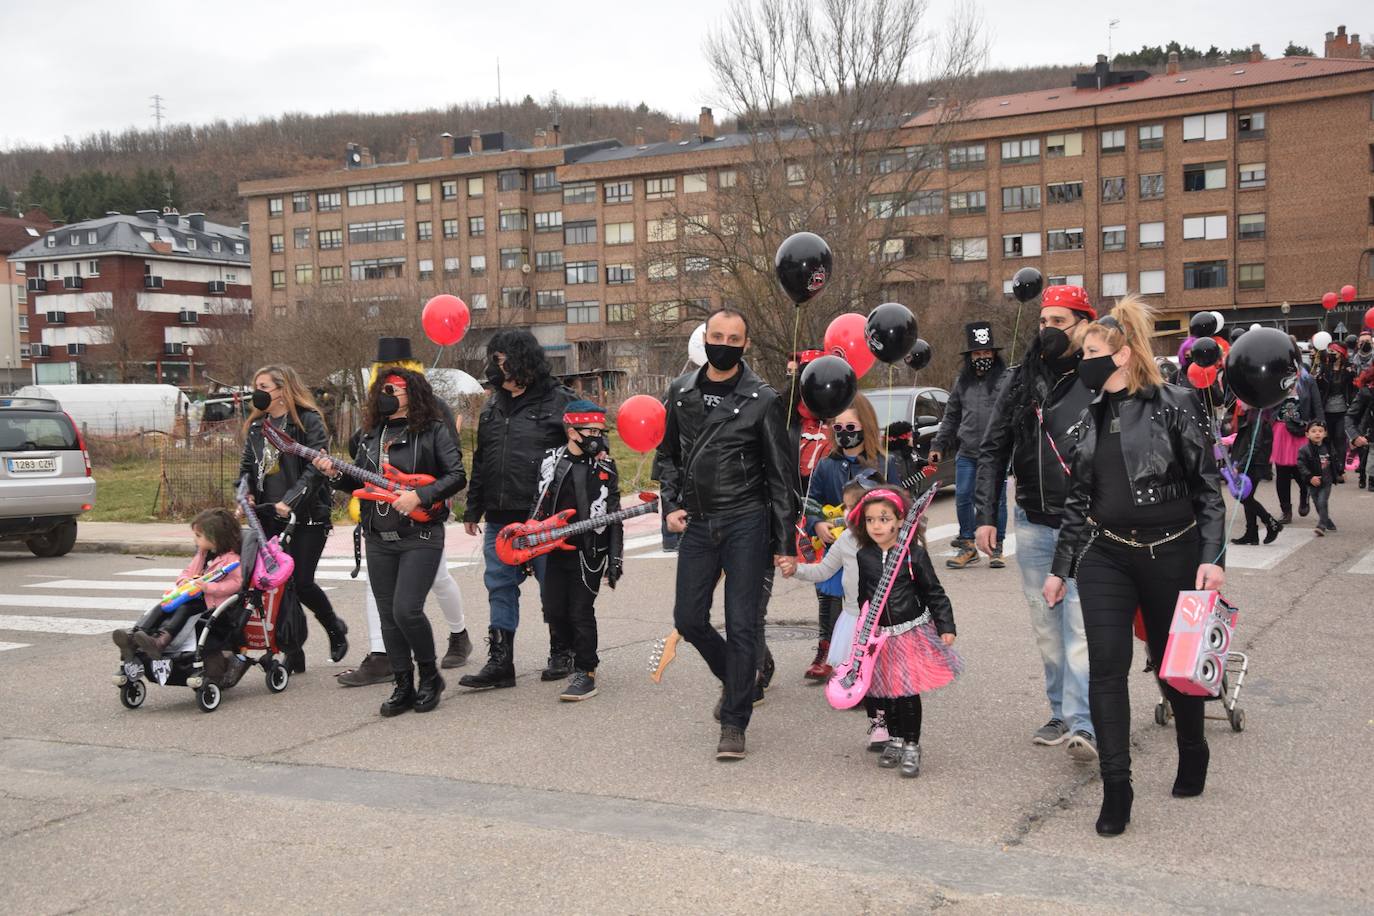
{"points": [[133, 693], [1161, 713], [208, 697], [277, 677], [1237, 717]]}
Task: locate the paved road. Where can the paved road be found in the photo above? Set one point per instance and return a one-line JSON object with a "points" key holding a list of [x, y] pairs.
{"points": [[508, 800]]}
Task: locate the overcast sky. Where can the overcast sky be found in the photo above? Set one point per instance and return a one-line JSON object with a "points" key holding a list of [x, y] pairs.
{"points": [[95, 66]]}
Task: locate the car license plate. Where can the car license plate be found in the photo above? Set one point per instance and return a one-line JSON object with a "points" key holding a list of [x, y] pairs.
{"points": [[29, 465]]}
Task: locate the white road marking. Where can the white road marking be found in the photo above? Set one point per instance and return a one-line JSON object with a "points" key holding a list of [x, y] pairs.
{"points": [[157, 588], [1365, 565], [6, 646], [1267, 556], [76, 626], [77, 602], [169, 575]]}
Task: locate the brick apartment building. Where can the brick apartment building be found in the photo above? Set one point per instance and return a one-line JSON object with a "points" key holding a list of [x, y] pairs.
{"points": [[1241, 188], [133, 297], [16, 232]]}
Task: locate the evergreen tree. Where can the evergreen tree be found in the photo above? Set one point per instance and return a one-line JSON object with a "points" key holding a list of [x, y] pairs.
{"points": [[1296, 50]]}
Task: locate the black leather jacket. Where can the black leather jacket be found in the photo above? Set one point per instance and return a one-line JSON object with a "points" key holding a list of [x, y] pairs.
{"points": [[735, 458], [1359, 419], [307, 492], [915, 589], [433, 450], [512, 438], [598, 494], [1167, 446]]}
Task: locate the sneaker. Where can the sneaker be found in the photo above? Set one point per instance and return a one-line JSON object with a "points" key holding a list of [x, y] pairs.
{"points": [[996, 561], [375, 669], [581, 687], [1319, 531], [731, 745], [911, 761], [459, 649], [1051, 733], [968, 558], [892, 754], [877, 733], [1083, 747]]}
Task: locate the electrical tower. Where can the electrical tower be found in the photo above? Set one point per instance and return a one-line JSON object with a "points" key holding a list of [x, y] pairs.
{"points": [[157, 111]]}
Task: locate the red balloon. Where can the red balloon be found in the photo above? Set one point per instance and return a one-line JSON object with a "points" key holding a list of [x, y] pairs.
{"points": [[1328, 301], [1202, 377], [845, 339], [1369, 319], [445, 319], [1347, 293], [640, 422], [1224, 344]]}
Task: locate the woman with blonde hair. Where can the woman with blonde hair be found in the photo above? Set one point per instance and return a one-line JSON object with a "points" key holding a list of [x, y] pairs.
{"points": [[1143, 521], [281, 485]]}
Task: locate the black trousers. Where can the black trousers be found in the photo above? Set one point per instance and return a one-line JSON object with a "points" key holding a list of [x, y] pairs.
{"points": [[400, 574], [306, 547], [157, 619], [1254, 512], [569, 606], [1285, 475], [828, 610], [1335, 434], [1113, 580]]}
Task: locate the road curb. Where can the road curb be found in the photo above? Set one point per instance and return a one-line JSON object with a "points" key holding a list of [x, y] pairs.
{"points": [[131, 547]]}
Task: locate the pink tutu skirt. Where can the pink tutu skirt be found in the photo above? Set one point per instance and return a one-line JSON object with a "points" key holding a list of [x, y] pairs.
{"points": [[914, 662]]}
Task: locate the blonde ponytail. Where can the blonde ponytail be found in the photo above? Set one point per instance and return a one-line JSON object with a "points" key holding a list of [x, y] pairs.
{"points": [[1131, 324]]}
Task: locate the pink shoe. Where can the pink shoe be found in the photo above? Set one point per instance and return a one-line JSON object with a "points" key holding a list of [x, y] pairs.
{"points": [[877, 733]]}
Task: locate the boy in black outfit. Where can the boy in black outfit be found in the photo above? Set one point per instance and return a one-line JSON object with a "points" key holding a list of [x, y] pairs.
{"points": [[1317, 469], [582, 476]]}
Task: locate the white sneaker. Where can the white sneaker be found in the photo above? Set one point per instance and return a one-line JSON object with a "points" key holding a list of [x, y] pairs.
{"points": [[1083, 747]]}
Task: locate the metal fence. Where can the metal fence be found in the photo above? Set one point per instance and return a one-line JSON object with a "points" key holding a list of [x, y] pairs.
{"points": [[195, 473]]}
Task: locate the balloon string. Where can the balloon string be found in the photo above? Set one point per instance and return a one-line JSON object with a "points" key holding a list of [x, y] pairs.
{"points": [[1016, 332], [792, 387], [437, 357]]}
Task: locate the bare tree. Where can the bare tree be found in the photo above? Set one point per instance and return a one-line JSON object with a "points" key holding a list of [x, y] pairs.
{"points": [[127, 335], [232, 351]]}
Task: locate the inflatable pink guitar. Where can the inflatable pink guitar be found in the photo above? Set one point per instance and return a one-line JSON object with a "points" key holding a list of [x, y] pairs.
{"points": [[273, 565], [849, 684]]}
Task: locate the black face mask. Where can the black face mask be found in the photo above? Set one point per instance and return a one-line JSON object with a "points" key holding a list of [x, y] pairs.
{"points": [[849, 438], [723, 357], [1366, 347], [495, 377], [593, 445], [982, 365], [1054, 344], [1096, 370], [387, 404], [261, 400]]}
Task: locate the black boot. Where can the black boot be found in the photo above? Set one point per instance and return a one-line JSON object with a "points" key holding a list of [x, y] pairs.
{"points": [[499, 671], [560, 663], [1192, 769], [403, 697], [337, 631], [1271, 530], [1117, 796], [295, 661], [1251, 536], [430, 687]]}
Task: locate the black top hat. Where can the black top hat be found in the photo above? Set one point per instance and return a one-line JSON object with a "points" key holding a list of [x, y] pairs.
{"points": [[393, 350], [979, 336]]}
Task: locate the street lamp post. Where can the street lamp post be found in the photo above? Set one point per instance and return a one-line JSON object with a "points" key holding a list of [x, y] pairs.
{"points": [[191, 366]]}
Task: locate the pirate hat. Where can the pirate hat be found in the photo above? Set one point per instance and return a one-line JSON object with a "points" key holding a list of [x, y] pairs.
{"points": [[979, 337]]}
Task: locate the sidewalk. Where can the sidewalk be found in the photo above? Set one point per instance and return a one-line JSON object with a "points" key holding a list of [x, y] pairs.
{"points": [[173, 539]]}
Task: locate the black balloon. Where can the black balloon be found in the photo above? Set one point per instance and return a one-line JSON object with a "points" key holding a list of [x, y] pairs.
{"points": [[1206, 352], [1203, 324], [1235, 334], [828, 386], [890, 332], [1351, 341], [920, 355], [803, 265], [1026, 284], [1260, 368]]}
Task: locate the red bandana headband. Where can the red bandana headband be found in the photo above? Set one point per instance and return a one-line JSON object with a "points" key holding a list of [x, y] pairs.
{"points": [[1073, 298], [582, 419], [394, 380], [855, 515]]}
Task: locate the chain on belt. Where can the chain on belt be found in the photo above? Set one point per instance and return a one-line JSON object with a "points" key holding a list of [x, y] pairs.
{"points": [[1112, 536]]}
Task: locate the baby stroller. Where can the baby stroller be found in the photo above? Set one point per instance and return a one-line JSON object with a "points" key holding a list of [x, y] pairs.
{"points": [[241, 623]]}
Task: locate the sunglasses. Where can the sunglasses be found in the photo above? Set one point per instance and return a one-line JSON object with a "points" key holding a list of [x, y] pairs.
{"points": [[393, 390], [846, 427]]}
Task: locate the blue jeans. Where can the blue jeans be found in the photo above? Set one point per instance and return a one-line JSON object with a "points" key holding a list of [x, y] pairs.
{"points": [[1059, 632], [737, 546], [965, 479], [503, 581], [670, 538]]}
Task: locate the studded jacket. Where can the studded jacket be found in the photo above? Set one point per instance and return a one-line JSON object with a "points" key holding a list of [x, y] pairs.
{"points": [[596, 491], [307, 492], [1167, 446]]}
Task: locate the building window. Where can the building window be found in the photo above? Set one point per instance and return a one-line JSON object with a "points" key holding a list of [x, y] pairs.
{"points": [[214, 245], [1113, 189], [619, 274], [478, 301], [300, 238], [1114, 239], [514, 258], [238, 248], [964, 203], [1198, 128], [1026, 197], [1065, 280], [453, 267], [367, 194], [576, 272], [1152, 186], [1250, 226], [476, 186], [1250, 127], [547, 261], [582, 192], [725, 178], [1064, 239], [696, 264], [1204, 227], [426, 270], [279, 279], [582, 232], [274, 206], [385, 230], [584, 312], [23, 321], [968, 249], [424, 192], [328, 201], [1151, 235], [332, 274], [190, 244], [549, 299], [51, 240], [618, 192], [1018, 151], [477, 265], [660, 188], [660, 271], [1114, 284], [620, 311], [515, 297], [546, 180], [510, 180], [1021, 245], [972, 156], [276, 243], [922, 203], [698, 225], [424, 230], [1204, 176], [1252, 175], [694, 183], [1057, 146], [666, 312], [477, 225], [662, 230], [513, 220], [448, 190], [796, 173], [1250, 276], [450, 227], [1113, 141], [620, 233], [378, 269], [300, 202], [1151, 283], [548, 221], [1204, 274], [1151, 136], [1064, 192]]}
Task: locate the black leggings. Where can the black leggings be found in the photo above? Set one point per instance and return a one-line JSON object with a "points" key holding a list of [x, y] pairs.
{"points": [[1335, 434], [1113, 580], [400, 574], [829, 608], [158, 619], [1285, 475], [902, 715], [306, 547]]}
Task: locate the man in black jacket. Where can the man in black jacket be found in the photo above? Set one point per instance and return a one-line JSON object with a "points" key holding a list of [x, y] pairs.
{"points": [[729, 483], [1031, 430], [520, 422]]}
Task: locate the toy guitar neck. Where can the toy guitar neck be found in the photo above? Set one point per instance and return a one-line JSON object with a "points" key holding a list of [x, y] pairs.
{"points": [[520, 542], [286, 444], [249, 513], [596, 521]]}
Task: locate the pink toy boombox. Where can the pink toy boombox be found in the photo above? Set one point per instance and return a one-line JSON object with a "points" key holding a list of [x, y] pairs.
{"points": [[1352, 461], [1199, 638]]}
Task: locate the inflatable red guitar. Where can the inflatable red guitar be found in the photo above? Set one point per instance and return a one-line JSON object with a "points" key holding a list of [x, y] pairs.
{"points": [[385, 487], [520, 542]]}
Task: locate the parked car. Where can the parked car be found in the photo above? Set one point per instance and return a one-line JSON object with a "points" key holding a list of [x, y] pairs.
{"points": [[45, 475], [923, 407]]}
